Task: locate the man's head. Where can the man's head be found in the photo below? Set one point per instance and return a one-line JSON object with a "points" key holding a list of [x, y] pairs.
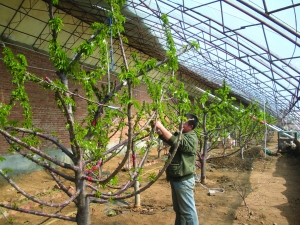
{"points": [[190, 124]]}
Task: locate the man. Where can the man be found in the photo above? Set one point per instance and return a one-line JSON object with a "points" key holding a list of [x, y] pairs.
{"points": [[180, 172]]}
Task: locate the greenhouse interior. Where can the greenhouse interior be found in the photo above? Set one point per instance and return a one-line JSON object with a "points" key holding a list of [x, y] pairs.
{"points": [[105, 101]]}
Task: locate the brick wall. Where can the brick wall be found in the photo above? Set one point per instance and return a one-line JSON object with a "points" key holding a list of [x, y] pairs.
{"points": [[45, 112]]}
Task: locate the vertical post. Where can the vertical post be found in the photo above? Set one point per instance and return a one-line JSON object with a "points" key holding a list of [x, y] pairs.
{"points": [[266, 129]]}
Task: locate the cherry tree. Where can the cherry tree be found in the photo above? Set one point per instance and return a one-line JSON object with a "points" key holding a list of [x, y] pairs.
{"points": [[215, 118], [111, 111], [220, 116]]}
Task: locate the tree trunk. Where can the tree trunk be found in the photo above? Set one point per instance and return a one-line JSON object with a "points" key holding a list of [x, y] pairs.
{"points": [[203, 156], [131, 144], [83, 209]]}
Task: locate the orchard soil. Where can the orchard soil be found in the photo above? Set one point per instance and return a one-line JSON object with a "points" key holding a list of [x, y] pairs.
{"points": [[258, 190]]}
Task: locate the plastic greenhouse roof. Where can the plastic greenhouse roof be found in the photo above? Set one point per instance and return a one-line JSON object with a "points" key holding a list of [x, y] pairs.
{"points": [[251, 44]]}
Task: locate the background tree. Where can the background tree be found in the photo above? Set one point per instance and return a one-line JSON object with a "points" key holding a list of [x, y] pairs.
{"points": [[219, 118], [215, 121]]}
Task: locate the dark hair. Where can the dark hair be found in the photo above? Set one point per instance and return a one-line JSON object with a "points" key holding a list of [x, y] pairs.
{"points": [[193, 119]]}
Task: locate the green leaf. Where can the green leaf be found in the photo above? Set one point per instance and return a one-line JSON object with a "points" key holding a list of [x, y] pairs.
{"points": [[56, 23], [151, 177]]}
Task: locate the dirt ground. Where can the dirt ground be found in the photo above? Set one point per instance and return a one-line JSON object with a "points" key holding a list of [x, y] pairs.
{"points": [[258, 190]]}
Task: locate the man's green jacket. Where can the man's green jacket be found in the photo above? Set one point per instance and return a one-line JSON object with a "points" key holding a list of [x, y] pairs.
{"points": [[182, 166]]}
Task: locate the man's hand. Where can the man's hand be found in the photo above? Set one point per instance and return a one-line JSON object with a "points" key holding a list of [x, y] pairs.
{"points": [[154, 125], [157, 124], [161, 130]]}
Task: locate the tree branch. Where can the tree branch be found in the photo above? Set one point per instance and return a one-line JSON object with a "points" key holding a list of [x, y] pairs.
{"points": [[44, 164], [46, 137], [35, 199], [35, 150], [39, 213], [62, 187], [70, 119], [120, 86]]}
